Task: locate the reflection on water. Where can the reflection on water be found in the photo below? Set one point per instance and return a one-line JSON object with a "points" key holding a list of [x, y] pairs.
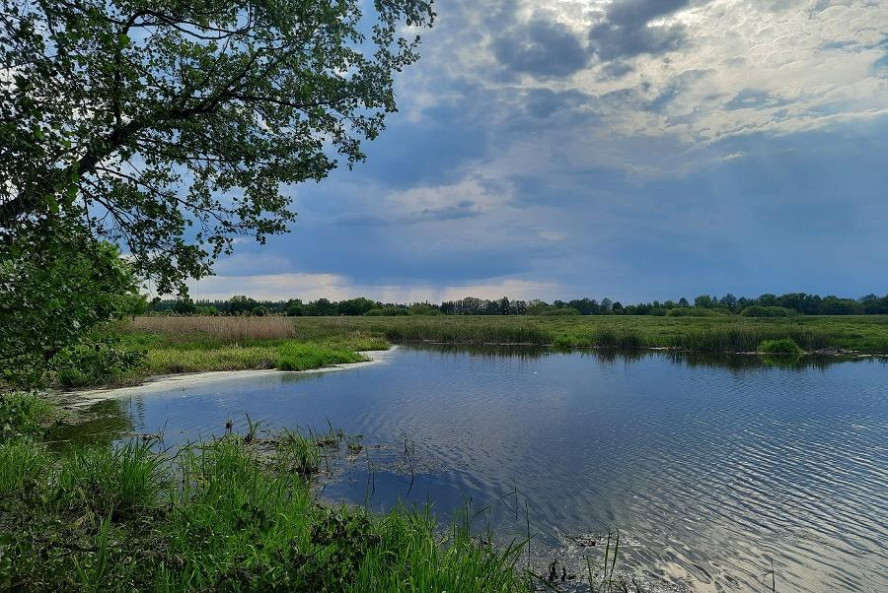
{"points": [[104, 422], [714, 469]]}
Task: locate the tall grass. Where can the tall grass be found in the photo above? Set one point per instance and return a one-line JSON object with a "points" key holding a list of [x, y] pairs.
{"points": [[699, 334], [225, 329], [450, 330], [21, 467], [218, 517], [104, 481]]}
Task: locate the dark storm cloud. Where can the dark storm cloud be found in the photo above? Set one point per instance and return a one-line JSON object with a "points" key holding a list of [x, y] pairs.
{"points": [[542, 103], [627, 33], [541, 48]]}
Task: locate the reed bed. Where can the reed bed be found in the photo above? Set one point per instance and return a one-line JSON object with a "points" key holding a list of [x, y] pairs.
{"points": [[711, 334], [224, 329]]}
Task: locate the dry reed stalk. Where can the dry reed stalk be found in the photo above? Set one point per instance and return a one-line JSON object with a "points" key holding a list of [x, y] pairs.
{"points": [[229, 329]]}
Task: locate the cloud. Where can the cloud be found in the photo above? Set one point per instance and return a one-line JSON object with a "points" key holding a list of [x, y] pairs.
{"points": [[543, 102], [630, 29], [541, 48], [270, 286], [310, 287], [611, 148]]}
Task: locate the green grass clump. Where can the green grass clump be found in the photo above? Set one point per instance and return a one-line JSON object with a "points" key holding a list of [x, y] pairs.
{"points": [[300, 357], [21, 465], [784, 346]]}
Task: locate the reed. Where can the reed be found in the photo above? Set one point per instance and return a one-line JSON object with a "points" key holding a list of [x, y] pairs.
{"points": [[216, 329]]}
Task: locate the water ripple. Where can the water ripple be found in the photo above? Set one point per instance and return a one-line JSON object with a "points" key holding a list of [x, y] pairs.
{"points": [[715, 474]]}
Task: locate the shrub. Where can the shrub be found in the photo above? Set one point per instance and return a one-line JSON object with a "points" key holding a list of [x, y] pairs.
{"points": [[23, 415], [98, 362]]}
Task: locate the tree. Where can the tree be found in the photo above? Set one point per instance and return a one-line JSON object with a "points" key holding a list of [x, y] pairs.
{"points": [[174, 127], [357, 306], [704, 301], [240, 305], [729, 301], [185, 306], [295, 308], [323, 307], [52, 298]]}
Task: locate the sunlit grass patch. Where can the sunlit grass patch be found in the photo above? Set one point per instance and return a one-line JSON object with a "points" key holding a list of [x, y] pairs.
{"points": [[227, 358], [294, 356]]}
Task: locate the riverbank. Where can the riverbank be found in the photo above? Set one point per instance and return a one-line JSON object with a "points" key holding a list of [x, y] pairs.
{"points": [[216, 516], [173, 345]]}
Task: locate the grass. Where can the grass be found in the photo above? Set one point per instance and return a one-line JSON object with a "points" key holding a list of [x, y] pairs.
{"points": [[699, 334], [784, 347], [224, 329], [195, 344], [225, 515], [286, 356]]}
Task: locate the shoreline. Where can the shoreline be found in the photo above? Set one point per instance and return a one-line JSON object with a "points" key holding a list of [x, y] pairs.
{"points": [[172, 382]]}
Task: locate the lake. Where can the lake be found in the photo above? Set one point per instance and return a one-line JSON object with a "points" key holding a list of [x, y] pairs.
{"points": [[719, 473]]}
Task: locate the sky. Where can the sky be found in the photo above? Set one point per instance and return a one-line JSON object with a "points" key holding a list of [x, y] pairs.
{"points": [[630, 149]]}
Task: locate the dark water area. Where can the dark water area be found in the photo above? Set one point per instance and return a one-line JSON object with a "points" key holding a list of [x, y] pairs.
{"points": [[721, 473]]}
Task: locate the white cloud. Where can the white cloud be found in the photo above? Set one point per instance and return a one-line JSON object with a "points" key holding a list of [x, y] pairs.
{"points": [[310, 287], [743, 67], [474, 194], [271, 286]]}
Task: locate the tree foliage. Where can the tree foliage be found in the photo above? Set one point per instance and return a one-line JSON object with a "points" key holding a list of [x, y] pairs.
{"points": [[174, 127], [51, 299]]}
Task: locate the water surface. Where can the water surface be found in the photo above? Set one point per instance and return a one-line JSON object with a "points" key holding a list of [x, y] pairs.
{"points": [[714, 470]]}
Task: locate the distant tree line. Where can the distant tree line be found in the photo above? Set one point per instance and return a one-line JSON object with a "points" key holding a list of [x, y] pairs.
{"points": [[766, 305]]}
